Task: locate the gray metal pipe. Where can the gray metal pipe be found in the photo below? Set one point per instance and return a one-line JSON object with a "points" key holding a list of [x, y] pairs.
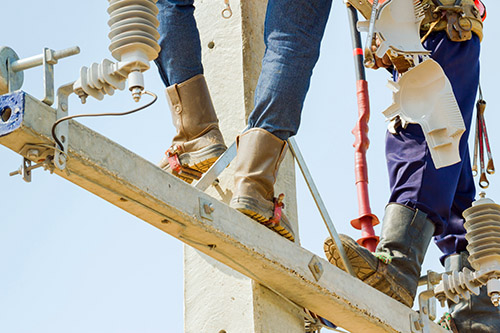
{"points": [[34, 61], [320, 204]]}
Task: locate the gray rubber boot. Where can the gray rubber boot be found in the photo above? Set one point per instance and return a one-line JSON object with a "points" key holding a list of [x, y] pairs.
{"points": [[394, 268], [476, 315], [198, 142], [259, 156]]}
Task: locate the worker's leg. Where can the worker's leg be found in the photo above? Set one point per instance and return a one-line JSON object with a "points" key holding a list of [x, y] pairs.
{"points": [[198, 142], [452, 240], [180, 55], [293, 33], [417, 185], [414, 180]]}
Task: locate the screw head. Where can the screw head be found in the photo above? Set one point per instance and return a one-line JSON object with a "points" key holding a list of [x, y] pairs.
{"points": [[33, 153], [208, 208]]}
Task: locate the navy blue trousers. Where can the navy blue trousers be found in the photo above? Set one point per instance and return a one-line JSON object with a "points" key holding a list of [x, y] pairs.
{"points": [[414, 181]]}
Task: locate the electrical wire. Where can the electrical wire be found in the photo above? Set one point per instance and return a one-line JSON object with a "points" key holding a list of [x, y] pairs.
{"points": [[155, 97]]}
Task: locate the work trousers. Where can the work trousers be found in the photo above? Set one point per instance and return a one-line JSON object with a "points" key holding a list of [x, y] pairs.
{"points": [[414, 181], [292, 35]]}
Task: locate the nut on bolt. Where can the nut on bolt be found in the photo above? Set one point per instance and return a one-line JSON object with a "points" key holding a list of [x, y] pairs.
{"points": [[33, 154], [495, 299], [208, 208]]}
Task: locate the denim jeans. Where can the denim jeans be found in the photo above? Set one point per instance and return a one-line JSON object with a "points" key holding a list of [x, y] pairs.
{"points": [[292, 35], [441, 193]]}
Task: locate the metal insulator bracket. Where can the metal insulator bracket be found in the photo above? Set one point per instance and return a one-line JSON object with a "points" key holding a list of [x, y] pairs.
{"points": [[419, 322], [62, 129], [11, 69]]}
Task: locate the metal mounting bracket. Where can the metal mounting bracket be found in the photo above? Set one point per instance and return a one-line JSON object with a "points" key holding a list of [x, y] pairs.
{"points": [[48, 75], [419, 322], [62, 129], [26, 168], [206, 209], [316, 268], [11, 69]]}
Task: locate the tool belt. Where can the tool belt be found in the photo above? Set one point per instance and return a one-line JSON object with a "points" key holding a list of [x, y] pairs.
{"points": [[459, 21]]}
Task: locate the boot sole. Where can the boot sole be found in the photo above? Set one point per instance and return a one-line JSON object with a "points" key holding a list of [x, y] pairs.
{"points": [[363, 267], [247, 207], [368, 268], [200, 161]]}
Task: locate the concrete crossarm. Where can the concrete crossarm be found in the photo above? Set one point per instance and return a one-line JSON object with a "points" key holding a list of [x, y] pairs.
{"points": [[139, 187]]}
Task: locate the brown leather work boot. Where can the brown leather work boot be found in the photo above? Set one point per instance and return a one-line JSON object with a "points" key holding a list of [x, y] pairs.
{"points": [[198, 142], [394, 268], [259, 156]]}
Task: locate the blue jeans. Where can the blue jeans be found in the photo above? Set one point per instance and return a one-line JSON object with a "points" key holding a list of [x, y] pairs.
{"points": [[441, 193], [292, 35]]}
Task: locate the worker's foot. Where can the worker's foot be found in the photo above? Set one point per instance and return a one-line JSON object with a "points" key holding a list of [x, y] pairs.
{"points": [[394, 268], [198, 142], [256, 166]]}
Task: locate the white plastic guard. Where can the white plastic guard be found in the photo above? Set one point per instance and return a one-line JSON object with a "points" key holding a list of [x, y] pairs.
{"points": [[398, 27], [424, 96]]}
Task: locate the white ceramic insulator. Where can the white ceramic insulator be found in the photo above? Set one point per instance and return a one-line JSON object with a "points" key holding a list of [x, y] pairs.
{"points": [[482, 222], [459, 285], [99, 80], [134, 34]]}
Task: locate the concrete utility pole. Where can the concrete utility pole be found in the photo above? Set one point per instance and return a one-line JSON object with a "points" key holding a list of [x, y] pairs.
{"points": [[218, 299]]}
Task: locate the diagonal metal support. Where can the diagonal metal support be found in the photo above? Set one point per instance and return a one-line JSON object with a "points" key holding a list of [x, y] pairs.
{"points": [[211, 175], [320, 204], [110, 171]]}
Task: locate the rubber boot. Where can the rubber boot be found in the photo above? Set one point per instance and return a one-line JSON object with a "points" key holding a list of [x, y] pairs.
{"points": [[476, 315], [394, 268], [259, 156], [198, 142]]}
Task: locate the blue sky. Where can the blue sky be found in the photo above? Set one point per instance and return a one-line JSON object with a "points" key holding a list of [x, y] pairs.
{"points": [[70, 262]]}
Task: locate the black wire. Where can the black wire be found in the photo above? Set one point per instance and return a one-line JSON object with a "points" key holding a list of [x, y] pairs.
{"points": [[100, 115]]}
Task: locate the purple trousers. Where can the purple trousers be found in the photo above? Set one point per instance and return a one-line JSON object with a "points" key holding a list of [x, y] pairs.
{"points": [[441, 193]]}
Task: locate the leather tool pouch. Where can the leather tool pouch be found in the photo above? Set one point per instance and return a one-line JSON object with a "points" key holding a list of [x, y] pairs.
{"points": [[458, 20]]}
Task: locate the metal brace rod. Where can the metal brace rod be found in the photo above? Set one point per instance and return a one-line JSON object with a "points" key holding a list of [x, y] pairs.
{"points": [[216, 169], [219, 166], [320, 204]]}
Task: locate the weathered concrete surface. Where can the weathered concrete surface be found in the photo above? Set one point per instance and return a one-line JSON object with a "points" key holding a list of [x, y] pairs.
{"points": [[232, 54], [115, 174]]}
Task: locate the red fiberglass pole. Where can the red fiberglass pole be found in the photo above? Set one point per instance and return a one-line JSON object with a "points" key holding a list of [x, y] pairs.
{"points": [[366, 219]]}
